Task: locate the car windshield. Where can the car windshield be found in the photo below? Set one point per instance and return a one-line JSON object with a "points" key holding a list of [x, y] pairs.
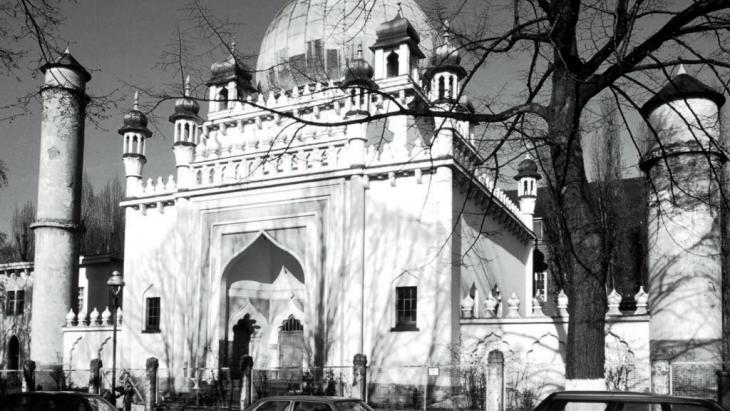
{"points": [[352, 405], [43, 403]]}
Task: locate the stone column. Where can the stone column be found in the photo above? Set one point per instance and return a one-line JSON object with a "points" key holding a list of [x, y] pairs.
{"points": [[359, 376], [495, 382], [660, 376], [151, 387], [95, 376], [246, 365], [59, 205]]}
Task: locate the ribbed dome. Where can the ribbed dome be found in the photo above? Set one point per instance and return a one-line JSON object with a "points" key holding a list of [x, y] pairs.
{"points": [[311, 40], [185, 107]]}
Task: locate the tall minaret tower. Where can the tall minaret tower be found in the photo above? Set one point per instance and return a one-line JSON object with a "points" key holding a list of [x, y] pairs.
{"points": [[684, 221], [57, 225], [185, 120], [135, 134]]}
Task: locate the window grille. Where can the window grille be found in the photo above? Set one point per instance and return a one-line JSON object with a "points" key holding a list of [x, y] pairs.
{"points": [[10, 303], [406, 303], [152, 319], [291, 324]]}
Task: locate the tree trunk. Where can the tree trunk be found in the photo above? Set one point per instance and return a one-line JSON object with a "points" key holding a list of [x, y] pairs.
{"points": [[580, 237]]}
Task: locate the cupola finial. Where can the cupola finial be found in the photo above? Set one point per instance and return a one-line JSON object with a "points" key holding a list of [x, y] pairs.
{"points": [[447, 31], [186, 93], [400, 9], [233, 45], [67, 51], [136, 100], [681, 69]]}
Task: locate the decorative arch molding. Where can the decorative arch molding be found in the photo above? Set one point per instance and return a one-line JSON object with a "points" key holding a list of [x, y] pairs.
{"points": [[492, 342], [291, 310], [618, 350], [248, 308], [547, 349]]}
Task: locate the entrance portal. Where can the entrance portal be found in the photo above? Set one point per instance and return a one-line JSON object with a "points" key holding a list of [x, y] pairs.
{"points": [[242, 332]]}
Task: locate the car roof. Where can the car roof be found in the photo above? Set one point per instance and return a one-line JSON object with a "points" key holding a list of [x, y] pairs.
{"points": [[317, 398], [52, 394], [624, 395]]}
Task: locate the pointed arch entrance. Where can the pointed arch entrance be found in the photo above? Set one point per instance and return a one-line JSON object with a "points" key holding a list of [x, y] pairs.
{"points": [[263, 283], [13, 350]]}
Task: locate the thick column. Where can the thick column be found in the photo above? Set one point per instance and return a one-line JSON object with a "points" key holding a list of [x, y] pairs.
{"points": [[246, 365], [58, 207], [359, 377], [494, 400], [95, 376]]}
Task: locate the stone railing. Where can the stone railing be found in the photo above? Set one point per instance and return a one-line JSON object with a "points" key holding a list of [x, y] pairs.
{"points": [[159, 186], [93, 319], [500, 196], [491, 306]]}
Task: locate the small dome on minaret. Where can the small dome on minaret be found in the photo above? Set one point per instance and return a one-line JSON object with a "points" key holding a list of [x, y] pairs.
{"points": [[231, 69], [359, 73], [682, 86], [527, 169], [135, 120], [185, 107], [446, 57], [396, 31]]}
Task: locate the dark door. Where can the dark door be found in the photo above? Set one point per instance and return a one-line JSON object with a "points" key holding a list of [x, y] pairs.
{"points": [[13, 353]]}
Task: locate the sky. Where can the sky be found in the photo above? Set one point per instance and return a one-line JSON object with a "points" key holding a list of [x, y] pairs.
{"points": [[120, 43]]}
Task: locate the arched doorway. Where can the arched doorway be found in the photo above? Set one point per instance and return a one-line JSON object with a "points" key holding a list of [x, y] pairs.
{"points": [[264, 285], [13, 353]]}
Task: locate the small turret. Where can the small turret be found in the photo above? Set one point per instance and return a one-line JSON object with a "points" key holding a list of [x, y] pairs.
{"points": [[396, 49], [135, 134], [230, 81], [185, 120], [445, 72], [527, 177]]}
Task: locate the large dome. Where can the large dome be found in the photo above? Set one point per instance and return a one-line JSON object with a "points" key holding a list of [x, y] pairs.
{"points": [[311, 40]]}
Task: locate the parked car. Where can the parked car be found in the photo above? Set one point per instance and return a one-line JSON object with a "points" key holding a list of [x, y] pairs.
{"points": [[58, 401], [623, 401], [308, 403]]}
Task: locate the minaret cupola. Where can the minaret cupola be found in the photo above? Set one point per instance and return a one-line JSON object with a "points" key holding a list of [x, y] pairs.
{"points": [[229, 82], [445, 72], [185, 120], [527, 177], [396, 49], [135, 134]]}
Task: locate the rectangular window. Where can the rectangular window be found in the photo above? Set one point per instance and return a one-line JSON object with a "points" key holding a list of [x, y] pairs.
{"points": [[405, 308], [152, 319], [19, 302], [10, 303]]}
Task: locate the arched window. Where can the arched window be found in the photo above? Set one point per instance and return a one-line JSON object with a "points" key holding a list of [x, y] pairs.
{"points": [[442, 88], [223, 98], [353, 96], [392, 64], [199, 177], [291, 324], [186, 133], [451, 93], [526, 191]]}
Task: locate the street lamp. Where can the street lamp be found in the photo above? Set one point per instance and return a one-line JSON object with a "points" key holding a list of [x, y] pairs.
{"points": [[115, 283]]}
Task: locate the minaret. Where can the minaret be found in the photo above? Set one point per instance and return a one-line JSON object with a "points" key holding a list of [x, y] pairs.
{"points": [[527, 177], [230, 81], [358, 85], [396, 49], [135, 134], [684, 254], [445, 72], [185, 121], [57, 227]]}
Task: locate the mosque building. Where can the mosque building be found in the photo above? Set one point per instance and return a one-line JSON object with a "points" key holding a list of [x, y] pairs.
{"points": [[306, 221]]}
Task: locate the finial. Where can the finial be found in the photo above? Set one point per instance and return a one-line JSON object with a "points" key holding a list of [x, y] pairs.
{"points": [[136, 100], [359, 51], [67, 51], [233, 45], [681, 70], [400, 9], [186, 93], [447, 31]]}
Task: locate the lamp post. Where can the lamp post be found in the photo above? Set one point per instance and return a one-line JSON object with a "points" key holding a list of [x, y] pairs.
{"points": [[115, 283]]}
